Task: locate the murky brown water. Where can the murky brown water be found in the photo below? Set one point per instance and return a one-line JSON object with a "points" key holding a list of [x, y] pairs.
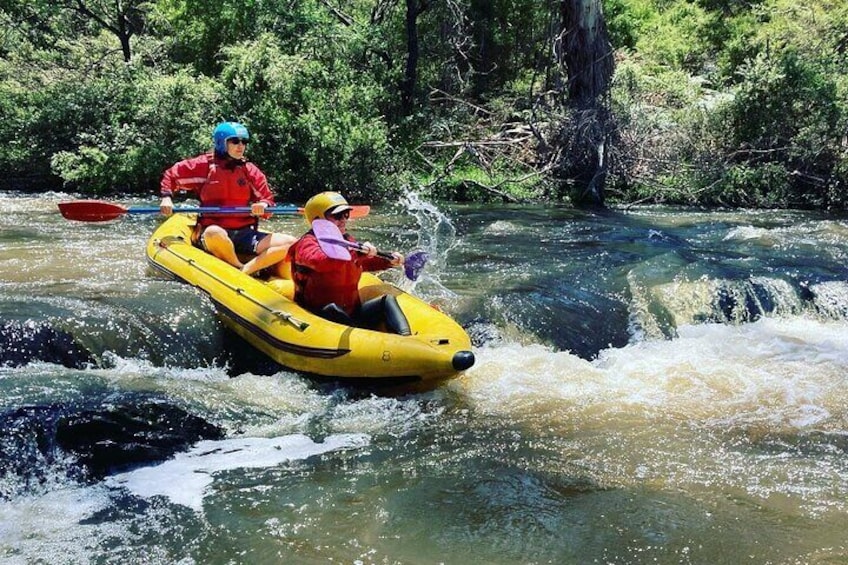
{"points": [[660, 386]]}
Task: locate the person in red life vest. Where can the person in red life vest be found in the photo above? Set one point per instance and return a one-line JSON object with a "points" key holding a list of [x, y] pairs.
{"points": [[224, 178], [328, 286]]}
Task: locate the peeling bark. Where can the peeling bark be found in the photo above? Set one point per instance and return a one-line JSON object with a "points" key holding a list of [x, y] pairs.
{"points": [[583, 49]]}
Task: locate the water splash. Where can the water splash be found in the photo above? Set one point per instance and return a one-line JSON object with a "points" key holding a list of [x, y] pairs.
{"points": [[436, 236], [437, 233]]}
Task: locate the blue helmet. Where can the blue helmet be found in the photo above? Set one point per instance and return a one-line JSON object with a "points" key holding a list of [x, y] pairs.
{"points": [[226, 130]]}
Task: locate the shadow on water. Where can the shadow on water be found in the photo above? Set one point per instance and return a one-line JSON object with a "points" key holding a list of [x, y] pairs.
{"points": [[177, 327]]}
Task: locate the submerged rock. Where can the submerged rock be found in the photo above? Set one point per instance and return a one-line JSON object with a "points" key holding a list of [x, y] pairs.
{"points": [[106, 436], [24, 342], [113, 438]]}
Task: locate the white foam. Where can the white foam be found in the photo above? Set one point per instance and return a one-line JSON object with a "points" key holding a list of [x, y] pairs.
{"points": [[127, 368], [748, 233], [785, 374], [46, 528], [831, 298], [186, 478]]}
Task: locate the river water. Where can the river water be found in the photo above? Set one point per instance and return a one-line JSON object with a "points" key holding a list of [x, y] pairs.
{"points": [[652, 385]]}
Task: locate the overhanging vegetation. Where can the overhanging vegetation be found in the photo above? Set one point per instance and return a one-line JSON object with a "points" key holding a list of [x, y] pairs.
{"points": [[741, 103]]}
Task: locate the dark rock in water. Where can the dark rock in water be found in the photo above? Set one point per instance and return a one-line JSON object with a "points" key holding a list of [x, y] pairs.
{"points": [[760, 301], [805, 292], [29, 457], [125, 435], [104, 436], [725, 304], [579, 321], [483, 332], [24, 342]]}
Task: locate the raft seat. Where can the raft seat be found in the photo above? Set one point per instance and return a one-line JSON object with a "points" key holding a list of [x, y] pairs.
{"points": [[282, 286]]}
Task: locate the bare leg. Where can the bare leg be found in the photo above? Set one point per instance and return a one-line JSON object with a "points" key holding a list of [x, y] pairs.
{"points": [[270, 250], [218, 243]]}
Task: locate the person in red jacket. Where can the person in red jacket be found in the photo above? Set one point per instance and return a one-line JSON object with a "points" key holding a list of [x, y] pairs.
{"points": [[224, 178], [329, 287]]}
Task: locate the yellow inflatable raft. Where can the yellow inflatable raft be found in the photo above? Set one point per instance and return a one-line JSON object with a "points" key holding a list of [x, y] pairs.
{"points": [[265, 315]]}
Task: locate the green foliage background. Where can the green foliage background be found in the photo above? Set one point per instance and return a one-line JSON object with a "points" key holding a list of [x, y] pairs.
{"points": [[734, 103], [731, 103]]}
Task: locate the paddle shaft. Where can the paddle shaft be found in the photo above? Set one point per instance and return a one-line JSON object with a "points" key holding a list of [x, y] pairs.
{"points": [[356, 211], [356, 246], [292, 210], [100, 211], [330, 238]]}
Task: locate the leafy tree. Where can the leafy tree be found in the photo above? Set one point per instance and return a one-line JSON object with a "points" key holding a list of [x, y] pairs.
{"points": [[155, 121], [317, 123], [199, 29], [44, 21]]}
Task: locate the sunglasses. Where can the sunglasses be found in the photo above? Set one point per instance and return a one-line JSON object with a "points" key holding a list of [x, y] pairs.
{"points": [[339, 215], [237, 141]]}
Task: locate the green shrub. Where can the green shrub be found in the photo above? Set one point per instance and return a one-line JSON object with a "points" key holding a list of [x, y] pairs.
{"points": [[317, 122], [151, 122], [769, 122], [764, 185]]}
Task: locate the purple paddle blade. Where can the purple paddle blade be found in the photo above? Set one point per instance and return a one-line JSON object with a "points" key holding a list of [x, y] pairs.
{"points": [[413, 264], [331, 240], [336, 247]]}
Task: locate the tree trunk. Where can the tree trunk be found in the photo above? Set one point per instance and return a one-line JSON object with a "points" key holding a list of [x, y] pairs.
{"points": [[121, 19], [124, 30], [583, 49], [124, 38], [414, 8]]}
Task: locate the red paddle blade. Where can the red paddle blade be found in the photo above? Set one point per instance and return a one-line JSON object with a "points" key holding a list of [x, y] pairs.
{"points": [[359, 211], [91, 210]]}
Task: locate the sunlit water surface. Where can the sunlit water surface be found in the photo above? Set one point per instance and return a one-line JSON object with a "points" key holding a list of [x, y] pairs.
{"points": [[651, 386]]}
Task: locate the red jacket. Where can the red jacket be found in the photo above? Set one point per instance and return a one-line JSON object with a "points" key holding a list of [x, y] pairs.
{"points": [[319, 280], [219, 182]]}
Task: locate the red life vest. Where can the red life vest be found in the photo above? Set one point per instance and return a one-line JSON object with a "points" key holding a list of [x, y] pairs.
{"points": [[319, 280], [219, 182]]}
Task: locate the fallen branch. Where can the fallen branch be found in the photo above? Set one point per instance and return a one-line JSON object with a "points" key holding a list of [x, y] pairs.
{"points": [[446, 96], [341, 16]]}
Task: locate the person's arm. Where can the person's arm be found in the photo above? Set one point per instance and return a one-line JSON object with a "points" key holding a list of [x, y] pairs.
{"points": [[261, 195], [166, 190], [187, 175], [375, 263], [310, 254], [368, 260]]}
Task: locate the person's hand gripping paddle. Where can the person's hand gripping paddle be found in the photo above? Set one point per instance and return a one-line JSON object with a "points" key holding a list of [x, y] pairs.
{"points": [[336, 247]]}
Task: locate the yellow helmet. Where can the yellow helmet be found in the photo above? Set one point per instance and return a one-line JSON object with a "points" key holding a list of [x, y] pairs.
{"points": [[318, 206]]}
